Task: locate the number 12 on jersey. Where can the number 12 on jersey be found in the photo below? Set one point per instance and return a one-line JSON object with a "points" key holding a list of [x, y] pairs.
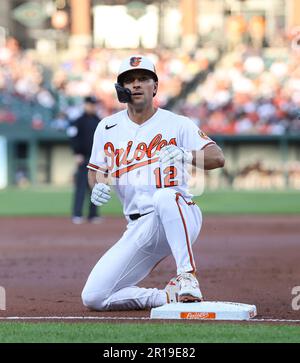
{"points": [[169, 174]]}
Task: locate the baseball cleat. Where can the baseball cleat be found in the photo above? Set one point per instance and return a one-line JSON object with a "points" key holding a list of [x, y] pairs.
{"points": [[189, 290], [183, 288], [172, 290]]}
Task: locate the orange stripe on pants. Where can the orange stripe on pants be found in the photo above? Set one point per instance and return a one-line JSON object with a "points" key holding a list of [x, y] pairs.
{"points": [[178, 195]]}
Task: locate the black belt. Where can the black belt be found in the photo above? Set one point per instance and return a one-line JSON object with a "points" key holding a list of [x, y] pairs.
{"points": [[136, 216]]}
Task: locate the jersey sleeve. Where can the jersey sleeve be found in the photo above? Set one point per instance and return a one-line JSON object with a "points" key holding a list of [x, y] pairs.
{"points": [[98, 160], [192, 138]]}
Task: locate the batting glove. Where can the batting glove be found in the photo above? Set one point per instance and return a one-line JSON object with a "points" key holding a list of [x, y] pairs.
{"points": [[173, 154], [100, 194]]}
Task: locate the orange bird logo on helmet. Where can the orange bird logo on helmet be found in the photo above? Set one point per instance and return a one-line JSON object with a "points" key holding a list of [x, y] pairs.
{"points": [[135, 61]]}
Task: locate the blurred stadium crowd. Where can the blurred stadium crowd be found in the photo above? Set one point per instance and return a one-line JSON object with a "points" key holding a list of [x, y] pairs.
{"points": [[54, 96], [249, 92]]}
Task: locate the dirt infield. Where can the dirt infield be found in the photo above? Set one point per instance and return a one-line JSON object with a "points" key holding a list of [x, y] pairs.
{"points": [[44, 263]]}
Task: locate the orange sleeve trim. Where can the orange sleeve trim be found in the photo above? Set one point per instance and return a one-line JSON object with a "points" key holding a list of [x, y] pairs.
{"points": [[96, 168]]}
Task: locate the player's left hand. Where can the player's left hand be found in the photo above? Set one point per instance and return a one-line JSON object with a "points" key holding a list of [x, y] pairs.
{"points": [[172, 154]]}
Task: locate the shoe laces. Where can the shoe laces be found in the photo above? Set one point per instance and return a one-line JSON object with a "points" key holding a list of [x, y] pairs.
{"points": [[187, 279]]}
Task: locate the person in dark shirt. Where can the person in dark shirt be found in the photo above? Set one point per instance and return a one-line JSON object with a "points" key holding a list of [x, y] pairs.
{"points": [[81, 133]]}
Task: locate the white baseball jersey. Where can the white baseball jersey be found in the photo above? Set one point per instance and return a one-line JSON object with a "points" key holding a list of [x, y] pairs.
{"points": [[128, 152]]}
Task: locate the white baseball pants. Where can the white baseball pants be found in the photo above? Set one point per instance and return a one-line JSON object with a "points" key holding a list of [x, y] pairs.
{"points": [[171, 228]]}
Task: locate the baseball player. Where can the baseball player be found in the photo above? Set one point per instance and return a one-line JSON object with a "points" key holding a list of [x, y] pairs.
{"points": [[143, 151]]}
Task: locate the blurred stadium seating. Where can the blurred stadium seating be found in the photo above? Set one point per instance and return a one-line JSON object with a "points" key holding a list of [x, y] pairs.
{"points": [[29, 91], [242, 87], [249, 92]]}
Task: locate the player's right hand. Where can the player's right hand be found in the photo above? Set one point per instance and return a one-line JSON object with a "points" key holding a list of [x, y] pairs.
{"points": [[100, 194]]}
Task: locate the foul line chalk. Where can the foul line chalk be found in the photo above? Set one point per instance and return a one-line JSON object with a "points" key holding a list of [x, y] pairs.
{"points": [[266, 320]]}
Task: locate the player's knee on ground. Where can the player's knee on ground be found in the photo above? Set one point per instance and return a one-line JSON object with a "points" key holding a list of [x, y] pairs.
{"points": [[94, 300], [164, 199]]}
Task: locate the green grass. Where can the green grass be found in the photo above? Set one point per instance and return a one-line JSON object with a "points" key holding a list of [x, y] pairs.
{"points": [[45, 202], [24, 332], [49, 201], [250, 202]]}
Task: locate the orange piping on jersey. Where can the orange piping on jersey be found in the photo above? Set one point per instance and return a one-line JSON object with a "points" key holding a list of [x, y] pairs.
{"points": [[178, 195], [118, 173], [188, 203]]}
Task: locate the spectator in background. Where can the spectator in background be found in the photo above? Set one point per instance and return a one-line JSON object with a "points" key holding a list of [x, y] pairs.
{"points": [[81, 133]]}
